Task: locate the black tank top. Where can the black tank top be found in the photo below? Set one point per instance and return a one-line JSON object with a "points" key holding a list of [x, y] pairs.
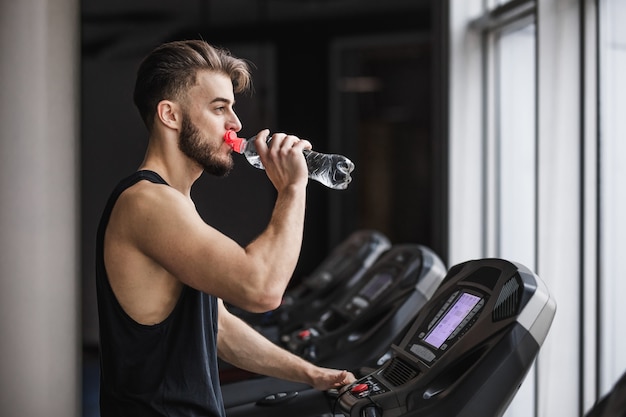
{"points": [[167, 369]]}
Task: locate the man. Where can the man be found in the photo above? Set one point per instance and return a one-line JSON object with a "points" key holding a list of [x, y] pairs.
{"points": [[162, 273]]}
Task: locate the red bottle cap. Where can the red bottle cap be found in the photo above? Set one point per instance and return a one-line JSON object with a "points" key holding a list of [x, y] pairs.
{"points": [[231, 139]]}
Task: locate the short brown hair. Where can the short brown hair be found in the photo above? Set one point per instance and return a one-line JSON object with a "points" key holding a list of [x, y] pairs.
{"points": [[171, 68]]}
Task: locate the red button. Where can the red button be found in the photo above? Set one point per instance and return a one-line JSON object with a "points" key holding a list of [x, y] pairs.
{"points": [[304, 334], [359, 388]]}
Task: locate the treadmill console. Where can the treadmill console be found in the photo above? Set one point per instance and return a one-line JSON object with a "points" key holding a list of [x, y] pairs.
{"points": [[369, 293], [357, 253], [468, 350], [450, 323]]}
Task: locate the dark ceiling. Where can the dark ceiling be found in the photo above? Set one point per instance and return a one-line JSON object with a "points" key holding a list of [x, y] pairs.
{"points": [[117, 28]]}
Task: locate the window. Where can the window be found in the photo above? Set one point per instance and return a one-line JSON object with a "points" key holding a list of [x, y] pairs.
{"points": [[516, 171], [515, 141], [612, 153], [514, 150]]}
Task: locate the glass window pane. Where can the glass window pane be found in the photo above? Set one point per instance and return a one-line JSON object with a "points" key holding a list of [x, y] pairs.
{"points": [[516, 116], [516, 164], [612, 196]]}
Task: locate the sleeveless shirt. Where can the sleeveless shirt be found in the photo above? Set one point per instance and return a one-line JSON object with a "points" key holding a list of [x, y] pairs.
{"points": [[167, 369]]}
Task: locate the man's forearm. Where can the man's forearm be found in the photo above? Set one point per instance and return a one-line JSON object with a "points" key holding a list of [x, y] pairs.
{"points": [[242, 346], [280, 244]]}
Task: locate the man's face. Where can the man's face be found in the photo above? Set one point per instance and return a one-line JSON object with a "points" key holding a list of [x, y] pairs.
{"points": [[206, 153], [207, 112]]}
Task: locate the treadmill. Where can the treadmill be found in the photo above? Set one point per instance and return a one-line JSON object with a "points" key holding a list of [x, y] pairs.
{"points": [[466, 353], [340, 270], [357, 329]]}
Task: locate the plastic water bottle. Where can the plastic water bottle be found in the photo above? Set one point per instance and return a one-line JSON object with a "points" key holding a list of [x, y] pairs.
{"points": [[329, 169]]}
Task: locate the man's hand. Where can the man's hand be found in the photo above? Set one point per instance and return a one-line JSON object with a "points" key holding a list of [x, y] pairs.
{"points": [[332, 378], [282, 158]]}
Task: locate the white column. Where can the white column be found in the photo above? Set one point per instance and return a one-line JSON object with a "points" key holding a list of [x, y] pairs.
{"points": [[39, 262]]}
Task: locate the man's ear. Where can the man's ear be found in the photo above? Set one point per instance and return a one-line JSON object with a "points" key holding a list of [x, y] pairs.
{"points": [[169, 113]]}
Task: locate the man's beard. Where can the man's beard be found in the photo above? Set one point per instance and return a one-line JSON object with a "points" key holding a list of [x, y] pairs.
{"points": [[193, 144]]}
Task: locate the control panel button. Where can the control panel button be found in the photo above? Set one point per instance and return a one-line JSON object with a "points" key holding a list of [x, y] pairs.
{"points": [[278, 398], [359, 388], [423, 352]]}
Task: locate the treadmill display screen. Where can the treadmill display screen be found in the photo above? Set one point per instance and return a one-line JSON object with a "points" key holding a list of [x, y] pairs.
{"points": [[376, 286], [451, 319]]}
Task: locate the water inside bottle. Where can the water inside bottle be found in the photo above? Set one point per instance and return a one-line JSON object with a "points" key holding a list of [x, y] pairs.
{"points": [[331, 170]]}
